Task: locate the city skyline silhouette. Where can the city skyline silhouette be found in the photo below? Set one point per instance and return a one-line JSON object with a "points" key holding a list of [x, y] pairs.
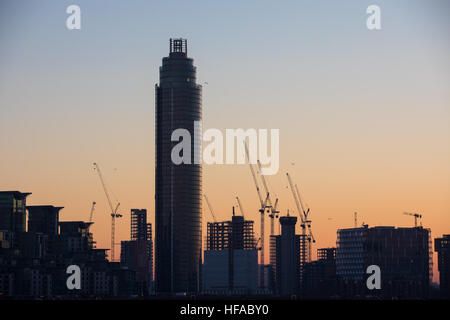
{"points": [[363, 116]]}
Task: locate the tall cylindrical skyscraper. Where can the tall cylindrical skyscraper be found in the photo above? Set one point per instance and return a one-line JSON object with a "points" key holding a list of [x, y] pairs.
{"points": [[178, 187]]}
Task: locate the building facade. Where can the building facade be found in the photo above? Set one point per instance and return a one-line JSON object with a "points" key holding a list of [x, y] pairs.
{"points": [[137, 254], [403, 254], [13, 211], [285, 258], [319, 278], [33, 262], [43, 219], [230, 271], [231, 259], [178, 186], [442, 247]]}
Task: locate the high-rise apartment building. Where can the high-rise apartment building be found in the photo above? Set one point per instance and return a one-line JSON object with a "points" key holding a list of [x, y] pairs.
{"points": [[178, 186]]}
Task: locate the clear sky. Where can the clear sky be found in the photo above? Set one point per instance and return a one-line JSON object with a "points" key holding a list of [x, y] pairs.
{"points": [[364, 116]]}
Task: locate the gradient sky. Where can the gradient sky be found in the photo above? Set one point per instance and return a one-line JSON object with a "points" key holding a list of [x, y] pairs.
{"points": [[364, 116]]}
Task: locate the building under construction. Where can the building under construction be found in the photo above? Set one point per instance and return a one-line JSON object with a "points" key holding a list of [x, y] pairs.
{"points": [[178, 187], [231, 259], [137, 254], [305, 254], [319, 276], [236, 234]]}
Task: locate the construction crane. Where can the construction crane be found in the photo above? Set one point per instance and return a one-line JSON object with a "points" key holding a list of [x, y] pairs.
{"points": [[263, 207], [306, 212], [91, 215], [273, 213], [241, 209], [298, 205], [114, 213], [302, 214], [210, 208], [416, 216]]}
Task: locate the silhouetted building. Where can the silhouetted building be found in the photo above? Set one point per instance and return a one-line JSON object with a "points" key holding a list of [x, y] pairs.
{"points": [[326, 254], [285, 257], [320, 276], [237, 233], [33, 263], [442, 247], [403, 254], [267, 283], [231, 259], [137, 254], [32, 245], [178, 187], [5, 239], [75, 236], [230, 271], [140, 229], [13, 211], [43, 219]]}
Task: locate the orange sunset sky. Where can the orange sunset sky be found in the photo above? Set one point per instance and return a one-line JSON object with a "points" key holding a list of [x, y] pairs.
{"points": [[364, 116]]}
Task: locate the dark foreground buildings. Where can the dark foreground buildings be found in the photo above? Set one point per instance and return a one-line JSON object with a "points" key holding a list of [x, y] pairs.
{"points": [[13, 211], [320, 276], [404, 256], [137, 253], [442, 247], [285, 258], [33, 262], [35, 254], [178, 187]]}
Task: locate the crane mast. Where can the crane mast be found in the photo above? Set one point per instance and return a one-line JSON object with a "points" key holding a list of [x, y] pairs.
{"points": [[273, 213], [301, 214], [263, 206], [310, 236], [114, 213]]}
